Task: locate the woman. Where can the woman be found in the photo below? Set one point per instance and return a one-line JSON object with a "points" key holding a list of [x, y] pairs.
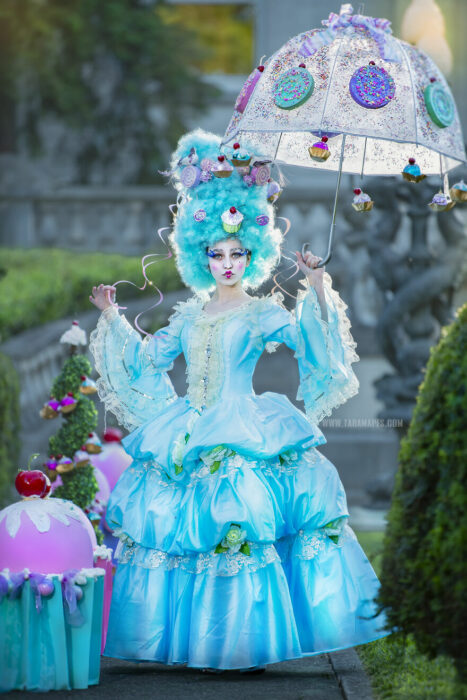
{"points": [[234, 549]]}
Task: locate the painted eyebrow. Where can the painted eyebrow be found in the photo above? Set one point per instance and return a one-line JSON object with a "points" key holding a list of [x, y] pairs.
{"points": [[218, 250]]}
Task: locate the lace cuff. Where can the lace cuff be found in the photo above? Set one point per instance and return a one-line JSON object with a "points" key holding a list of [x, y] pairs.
{"points": [[325, 352]]}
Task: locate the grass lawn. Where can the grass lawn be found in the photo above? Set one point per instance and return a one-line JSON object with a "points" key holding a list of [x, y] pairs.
{"points": [[398, 672], [38, 285]]}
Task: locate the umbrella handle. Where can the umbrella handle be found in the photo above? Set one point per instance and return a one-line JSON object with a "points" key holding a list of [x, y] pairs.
{"points": [[322, 263]]}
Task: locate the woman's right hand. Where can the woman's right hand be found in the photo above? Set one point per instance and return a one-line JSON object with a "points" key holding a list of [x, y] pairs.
{"points": [[103, 296]]}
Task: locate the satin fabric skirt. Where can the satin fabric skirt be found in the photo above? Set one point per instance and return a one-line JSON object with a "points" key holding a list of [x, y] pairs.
{"points": [[302, 590]]}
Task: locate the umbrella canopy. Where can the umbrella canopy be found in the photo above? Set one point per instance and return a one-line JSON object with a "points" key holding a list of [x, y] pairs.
{"points": [[378, 100]]}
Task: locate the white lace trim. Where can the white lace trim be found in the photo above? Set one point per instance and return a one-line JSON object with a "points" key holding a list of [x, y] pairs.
{"points": [[285, 464], [305, 545], [217, 564], [333, 396]]}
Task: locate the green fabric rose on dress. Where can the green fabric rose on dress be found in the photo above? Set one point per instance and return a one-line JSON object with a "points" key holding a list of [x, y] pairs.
{"points": [[178, 452], [212, 458], [334, 528], [234, 541]]}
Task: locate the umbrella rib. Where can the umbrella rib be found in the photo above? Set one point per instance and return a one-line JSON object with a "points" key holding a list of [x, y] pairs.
{"points": [[331, 75], [409, 67]]}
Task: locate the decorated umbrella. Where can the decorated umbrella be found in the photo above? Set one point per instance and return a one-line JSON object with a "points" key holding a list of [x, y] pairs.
{"points": [[350, 97]]}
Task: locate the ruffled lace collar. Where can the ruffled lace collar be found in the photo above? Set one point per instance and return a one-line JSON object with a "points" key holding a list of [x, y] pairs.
{"points": [[193, 308]]}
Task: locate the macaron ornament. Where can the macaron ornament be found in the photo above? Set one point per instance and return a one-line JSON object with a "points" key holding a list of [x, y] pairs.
{"points": [[232, 220], [320, 150], [362, 201], [222, 168], [412, 172], [441, 202], [458, 192]]}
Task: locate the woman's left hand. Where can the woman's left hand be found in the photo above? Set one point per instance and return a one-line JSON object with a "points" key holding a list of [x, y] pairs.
{"points": [[308, 266]]}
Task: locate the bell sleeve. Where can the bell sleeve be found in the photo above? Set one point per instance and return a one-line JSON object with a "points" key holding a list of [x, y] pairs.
{"points": [[133, 382], [325, 350]]}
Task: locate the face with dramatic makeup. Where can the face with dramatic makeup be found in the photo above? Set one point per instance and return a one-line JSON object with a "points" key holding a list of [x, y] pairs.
{"points": [[228, 260]]}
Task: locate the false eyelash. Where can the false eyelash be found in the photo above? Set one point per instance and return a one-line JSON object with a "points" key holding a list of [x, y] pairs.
{"points": [[212, 254]]}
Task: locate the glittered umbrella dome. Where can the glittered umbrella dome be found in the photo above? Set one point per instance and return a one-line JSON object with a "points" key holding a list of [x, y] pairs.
{"points": [[379, 100]]}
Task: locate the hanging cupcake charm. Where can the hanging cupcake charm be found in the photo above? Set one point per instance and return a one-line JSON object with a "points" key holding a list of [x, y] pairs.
{"points": [[320, 150], [458, 192], [441, 202], [362, 201], [412, 172]]}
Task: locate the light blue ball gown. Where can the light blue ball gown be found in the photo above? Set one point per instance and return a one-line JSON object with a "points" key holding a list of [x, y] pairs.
{"points": [[235, 549]]}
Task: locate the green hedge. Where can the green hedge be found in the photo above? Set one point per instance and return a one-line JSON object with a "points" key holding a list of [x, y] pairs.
{"points": [[424, 567], [397, 670], [9, 428], [46, 284]]}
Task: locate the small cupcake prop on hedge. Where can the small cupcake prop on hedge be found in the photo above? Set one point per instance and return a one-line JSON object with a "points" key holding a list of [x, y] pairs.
{"points": [[362, 201], [458, 192], [412, 172], [69, 398]]}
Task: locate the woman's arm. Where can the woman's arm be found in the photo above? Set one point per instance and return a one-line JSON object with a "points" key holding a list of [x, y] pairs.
{"points": [[133, 382]]}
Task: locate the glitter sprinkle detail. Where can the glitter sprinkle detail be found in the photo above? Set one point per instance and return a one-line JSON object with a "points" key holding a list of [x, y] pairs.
{"points": [[439, 105], [293, 88], [372, 87]]}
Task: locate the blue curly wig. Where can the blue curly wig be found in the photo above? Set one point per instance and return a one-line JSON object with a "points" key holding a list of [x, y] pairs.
{"points": [[190, 238]]}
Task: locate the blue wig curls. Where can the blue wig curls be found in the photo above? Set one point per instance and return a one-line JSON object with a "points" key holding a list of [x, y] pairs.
{"points": [[201, 203]]}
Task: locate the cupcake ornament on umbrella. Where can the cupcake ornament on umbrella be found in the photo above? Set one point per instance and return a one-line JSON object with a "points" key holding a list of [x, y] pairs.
{"points": [[458, 192], [352, 79], [412, 172], [362, 201]]}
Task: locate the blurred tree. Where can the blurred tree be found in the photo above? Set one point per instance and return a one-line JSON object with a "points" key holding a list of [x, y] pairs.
{"points": [[116, 72]]}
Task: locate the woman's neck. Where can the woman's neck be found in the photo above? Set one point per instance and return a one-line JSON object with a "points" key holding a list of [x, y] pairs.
{"points": [[228, 295]]}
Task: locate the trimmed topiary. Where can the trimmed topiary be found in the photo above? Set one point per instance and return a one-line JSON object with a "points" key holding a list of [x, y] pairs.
{"points": [[424, 567]]}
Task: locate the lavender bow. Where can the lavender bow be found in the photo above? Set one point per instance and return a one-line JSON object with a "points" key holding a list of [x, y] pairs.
{"points": [[17, 581], [378, 28], [41, 585], [73, 614]]}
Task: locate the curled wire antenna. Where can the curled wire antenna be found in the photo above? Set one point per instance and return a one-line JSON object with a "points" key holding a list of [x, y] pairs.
{"points": [[146, 262]]}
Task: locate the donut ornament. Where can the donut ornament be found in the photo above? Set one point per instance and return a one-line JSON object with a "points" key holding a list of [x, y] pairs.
{"points": [[439, 104], [372, 87], [293, 88]]}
